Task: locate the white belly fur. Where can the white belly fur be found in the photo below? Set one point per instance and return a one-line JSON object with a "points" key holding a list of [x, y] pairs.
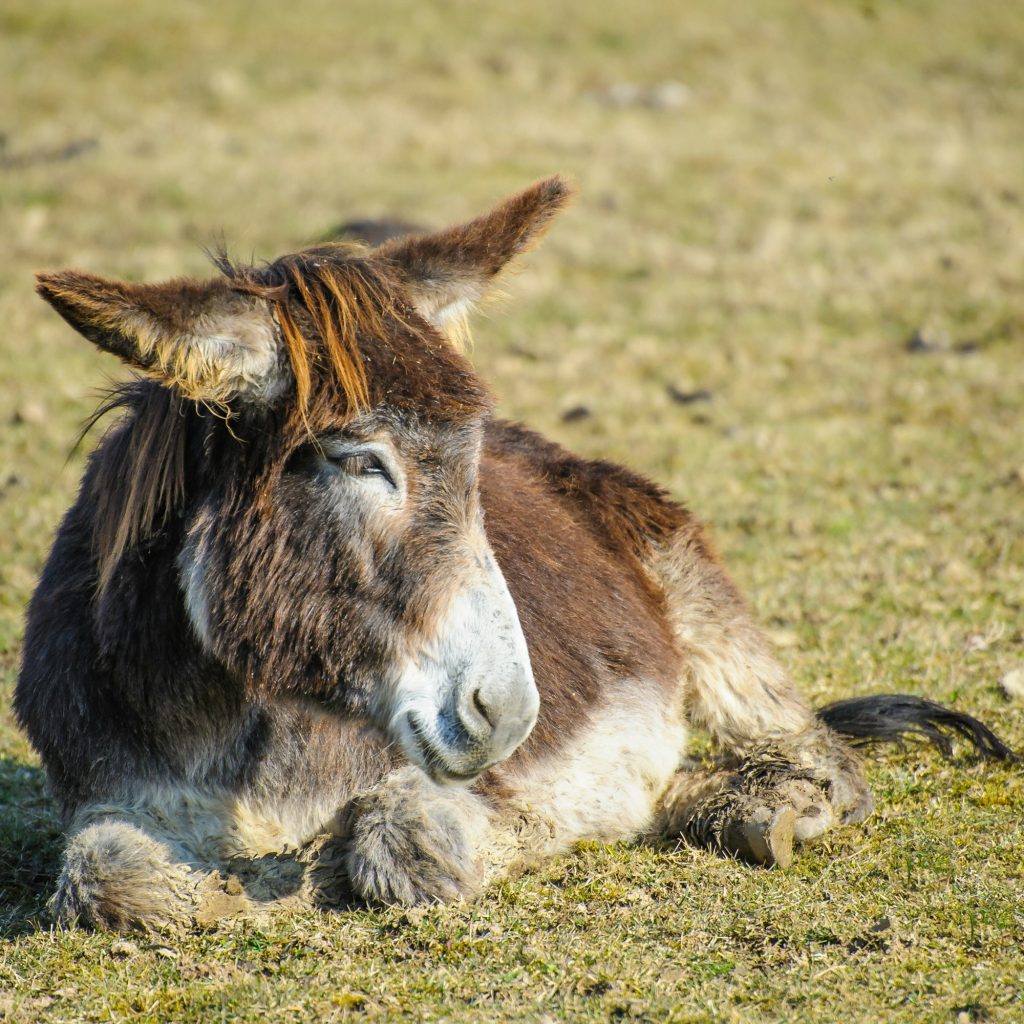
{"points": [[605, 785]]}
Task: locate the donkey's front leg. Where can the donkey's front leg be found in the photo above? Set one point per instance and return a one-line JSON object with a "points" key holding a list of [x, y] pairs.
{"points": [[409, 840]]}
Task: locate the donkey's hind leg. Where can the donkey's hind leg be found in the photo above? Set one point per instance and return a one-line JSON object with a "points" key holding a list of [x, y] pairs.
{"points": [[755, 810], [786, 773], [118, 876]]}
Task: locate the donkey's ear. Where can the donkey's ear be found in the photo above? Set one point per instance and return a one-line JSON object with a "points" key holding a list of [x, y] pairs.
{"points": [[448, 271], [205, 338]]}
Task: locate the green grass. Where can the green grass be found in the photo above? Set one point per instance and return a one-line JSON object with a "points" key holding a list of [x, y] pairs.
{"points": [[840, 176]]}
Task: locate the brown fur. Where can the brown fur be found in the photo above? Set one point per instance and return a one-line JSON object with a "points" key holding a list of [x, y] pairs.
{"points": [[308, 556], [590, 611], [145, 485], [338, 298], [457, 264]]}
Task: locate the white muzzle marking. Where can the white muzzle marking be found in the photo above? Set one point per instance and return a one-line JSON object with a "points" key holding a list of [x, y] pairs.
{"points": [[469, 699]]}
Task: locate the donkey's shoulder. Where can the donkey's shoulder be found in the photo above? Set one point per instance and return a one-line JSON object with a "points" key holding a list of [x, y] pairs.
{"points": [[621, 506]]}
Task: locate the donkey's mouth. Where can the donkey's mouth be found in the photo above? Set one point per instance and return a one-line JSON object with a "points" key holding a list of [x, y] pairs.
{"points": [[434, 759]]}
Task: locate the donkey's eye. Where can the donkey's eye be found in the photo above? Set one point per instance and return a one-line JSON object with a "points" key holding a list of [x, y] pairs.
{"points": [[363, 464]]}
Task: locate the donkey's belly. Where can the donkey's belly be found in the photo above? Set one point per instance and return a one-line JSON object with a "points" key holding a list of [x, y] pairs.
{"points": [[604, 783]]}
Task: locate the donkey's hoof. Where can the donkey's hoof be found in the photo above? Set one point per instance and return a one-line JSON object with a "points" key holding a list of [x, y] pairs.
{"points": [[836, 770], [765, 837], [408, 844], [814, 814]]}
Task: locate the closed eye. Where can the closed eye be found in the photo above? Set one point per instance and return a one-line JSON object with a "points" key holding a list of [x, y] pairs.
{"points": [[362, 464]]}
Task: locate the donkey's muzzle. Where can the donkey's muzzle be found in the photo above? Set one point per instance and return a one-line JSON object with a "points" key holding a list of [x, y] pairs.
{"points": [[497, 716], [486, 724], [470, 698]]}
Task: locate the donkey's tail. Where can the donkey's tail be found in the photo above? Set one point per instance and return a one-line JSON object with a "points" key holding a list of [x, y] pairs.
{"points": [[892, 717]]}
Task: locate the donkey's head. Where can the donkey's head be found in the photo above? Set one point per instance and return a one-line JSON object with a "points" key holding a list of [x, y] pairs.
{"points": [[307, 451]]}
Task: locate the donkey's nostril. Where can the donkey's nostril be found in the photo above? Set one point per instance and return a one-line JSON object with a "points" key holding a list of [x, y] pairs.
{"points": [[481, 707]]}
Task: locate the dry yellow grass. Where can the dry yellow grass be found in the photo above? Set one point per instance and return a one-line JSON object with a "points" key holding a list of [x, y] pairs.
{"points": [[830, 180]]}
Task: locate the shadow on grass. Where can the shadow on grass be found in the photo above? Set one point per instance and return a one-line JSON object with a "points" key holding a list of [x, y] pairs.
{"points": [[30, 846]]}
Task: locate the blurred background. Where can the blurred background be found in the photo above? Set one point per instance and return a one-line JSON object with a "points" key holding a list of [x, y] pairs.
{"points": [[790, 289]]}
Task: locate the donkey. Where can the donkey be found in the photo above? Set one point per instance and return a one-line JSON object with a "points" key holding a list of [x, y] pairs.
{"points": [[319, 627]]}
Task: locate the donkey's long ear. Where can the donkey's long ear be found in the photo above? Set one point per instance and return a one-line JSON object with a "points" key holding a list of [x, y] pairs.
{"points": [[203, 337], [448, 271]]}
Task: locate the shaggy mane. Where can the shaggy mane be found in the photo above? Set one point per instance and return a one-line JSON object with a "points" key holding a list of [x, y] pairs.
{"points": [[339, 294], [139, 482]]}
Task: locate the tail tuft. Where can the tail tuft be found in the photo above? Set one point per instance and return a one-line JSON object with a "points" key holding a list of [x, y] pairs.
{"points": [[893, 717]]}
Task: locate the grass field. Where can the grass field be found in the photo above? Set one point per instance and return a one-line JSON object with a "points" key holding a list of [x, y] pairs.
{"points": [[814, 212]]}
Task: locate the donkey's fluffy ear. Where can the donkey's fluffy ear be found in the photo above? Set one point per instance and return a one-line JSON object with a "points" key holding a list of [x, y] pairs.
{"points": [[448, 271], [208, 340]]}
